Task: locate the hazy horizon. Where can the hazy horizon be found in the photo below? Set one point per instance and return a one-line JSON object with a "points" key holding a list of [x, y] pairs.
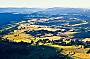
{"points": [[45, 3]]}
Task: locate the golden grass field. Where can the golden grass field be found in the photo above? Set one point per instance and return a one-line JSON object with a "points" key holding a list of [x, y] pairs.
{"points": [[18, 37], [76, 52], [86, 39], [70, 33]]}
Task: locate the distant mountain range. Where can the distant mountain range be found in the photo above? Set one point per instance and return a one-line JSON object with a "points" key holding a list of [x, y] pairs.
{"points": [[49, 11], [63, 11], [18, 14], [20, 10]]}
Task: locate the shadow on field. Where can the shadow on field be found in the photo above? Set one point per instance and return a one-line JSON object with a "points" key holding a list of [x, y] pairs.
{"points": [[11, 50]]}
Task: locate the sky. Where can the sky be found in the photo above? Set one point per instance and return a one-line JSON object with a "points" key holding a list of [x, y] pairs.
{"points": [[45, 3]]}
